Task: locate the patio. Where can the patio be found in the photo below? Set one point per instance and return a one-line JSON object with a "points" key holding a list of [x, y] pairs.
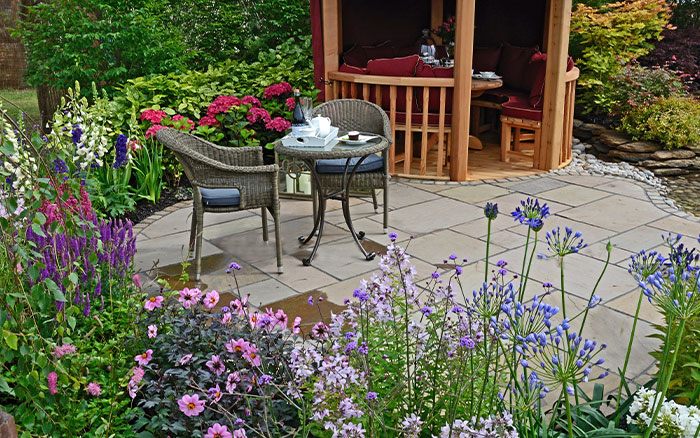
{"points": [[630, 214]]}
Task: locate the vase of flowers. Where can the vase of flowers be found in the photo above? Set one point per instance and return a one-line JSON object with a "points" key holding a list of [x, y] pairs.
{"points": [[446, 32]]}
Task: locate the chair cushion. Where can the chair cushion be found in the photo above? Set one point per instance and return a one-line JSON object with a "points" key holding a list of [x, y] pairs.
{"points": [[514, 66], [486, 58], [356, 57], [220, 197], [373, 162], [417, 118], [537, 92], [405, 66], [345, 68], [518, 106]]}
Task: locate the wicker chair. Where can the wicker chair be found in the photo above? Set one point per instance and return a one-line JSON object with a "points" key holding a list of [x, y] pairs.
{"points": [[225, 179], [357, 115]]}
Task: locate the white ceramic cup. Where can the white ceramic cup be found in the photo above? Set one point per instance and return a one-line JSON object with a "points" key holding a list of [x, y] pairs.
{"points": [[322, 125]]}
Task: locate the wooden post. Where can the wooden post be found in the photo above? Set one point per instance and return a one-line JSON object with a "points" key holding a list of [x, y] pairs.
{"points": [[436, 16], [331, 39], [464, 45], [555, 84]]}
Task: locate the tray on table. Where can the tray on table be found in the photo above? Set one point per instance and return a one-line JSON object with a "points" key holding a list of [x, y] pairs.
{"points": [[331, 139]]}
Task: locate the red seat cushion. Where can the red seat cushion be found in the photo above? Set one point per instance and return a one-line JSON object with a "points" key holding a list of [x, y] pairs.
{"points": [[514, 66], [537, 91], [405, 66], [417, 119], [356, 56], [518, 106], [486, 58], [427, 71], [352, 69]]}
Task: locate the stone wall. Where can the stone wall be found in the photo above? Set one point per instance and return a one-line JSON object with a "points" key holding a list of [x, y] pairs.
{"points": [[615, 146]]}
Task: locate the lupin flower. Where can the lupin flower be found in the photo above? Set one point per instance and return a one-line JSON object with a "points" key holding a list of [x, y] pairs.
{"points": [[566, 243]]}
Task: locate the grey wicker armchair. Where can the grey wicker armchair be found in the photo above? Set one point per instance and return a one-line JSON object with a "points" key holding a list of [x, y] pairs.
{"points": [[224, 180], [358, 115]]}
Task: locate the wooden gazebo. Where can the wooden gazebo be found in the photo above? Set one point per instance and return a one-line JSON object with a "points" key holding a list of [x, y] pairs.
{"points": [[338, 25]]}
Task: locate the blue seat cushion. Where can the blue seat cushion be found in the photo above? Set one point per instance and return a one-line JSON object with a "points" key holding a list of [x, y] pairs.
{"points": [[220, 197], [373, 162]]}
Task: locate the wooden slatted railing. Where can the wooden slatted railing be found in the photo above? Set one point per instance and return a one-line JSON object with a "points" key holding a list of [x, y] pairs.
{"points": [[371, 88], [566, 153]]}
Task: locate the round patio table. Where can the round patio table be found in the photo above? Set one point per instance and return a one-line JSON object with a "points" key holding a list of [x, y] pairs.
{"points": [[309, 156], [479, 86]]}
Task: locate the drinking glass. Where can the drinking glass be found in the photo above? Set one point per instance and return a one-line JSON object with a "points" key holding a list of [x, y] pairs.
{"points": [[307, 105]]}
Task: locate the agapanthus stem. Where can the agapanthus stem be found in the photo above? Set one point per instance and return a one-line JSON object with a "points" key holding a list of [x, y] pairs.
{"points": [[627, 355], [522, 271], [488, 243], [600, 277], [667, 378], [526, 277], [569, 423]]}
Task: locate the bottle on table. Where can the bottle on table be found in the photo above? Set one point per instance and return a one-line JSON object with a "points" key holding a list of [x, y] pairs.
{"points": [[298, 120]]}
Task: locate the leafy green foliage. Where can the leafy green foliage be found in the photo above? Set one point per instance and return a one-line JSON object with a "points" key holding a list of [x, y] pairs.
{"points": [[102, 41], [147, 164], [684, 387], [672, 121], [606, 38]]}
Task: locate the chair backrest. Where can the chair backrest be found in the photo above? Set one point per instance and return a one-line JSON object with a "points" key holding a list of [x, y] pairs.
{"points": [[356, 115]]}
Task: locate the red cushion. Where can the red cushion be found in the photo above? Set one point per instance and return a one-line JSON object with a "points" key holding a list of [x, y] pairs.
{"points": [[352, 69], [427, 71], [417, 119], [537, 91], [405, 66], [355, 57], [519, 107], [514, 65], [486, 58]]}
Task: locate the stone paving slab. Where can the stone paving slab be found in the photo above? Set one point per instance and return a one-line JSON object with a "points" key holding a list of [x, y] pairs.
{"points": [[445, 219]]}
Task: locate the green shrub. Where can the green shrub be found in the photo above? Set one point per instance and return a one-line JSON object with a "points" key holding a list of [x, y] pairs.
{"points": [[673, 121], [101, 41], [605, 39]]}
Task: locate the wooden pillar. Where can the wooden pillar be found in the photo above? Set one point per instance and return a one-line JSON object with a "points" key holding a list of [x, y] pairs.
{"points": [[436, 16], [331, 39], [464, 45], [555, 85]]}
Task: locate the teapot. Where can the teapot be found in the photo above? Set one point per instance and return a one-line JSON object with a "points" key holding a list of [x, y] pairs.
{"points": [[322, 125]]}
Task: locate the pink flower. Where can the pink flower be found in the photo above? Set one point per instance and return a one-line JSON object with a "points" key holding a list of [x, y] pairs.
{"points": [[252, 356], [222, 104], [320, 330], [151, 132], [134, 145], [254, 319], [132, 387], [218, 431], [188, 125], [277, 90], [239, 433], [153, 116], [52, 379], [238, 306], [94, 389], [136, 278], [63, 350], [189, 297], [226, 318], [239, 346], [291, 103], [191, 405], [296, 327], [211, 299], [250, 100], [215, 393], [144, 358], [278, 124], [258, 115], [216, 365], [184, 359], [231, 382], [152, 331], [208, 121], [151, 303], [281, 318], [138, 375]]}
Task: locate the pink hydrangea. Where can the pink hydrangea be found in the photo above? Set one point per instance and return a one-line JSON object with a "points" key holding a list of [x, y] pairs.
{"points": [[211, 299], [191, 405], [152, 303], [94, 389], [208, 121], [189, 124], [258, 115], [278, 124], [250, 100], [63, 350], [218, 431], [144, 358], [222, 104], [52, 380], [152, 331], [151, 132], [291, 103], [153, 116], [277, 90]]}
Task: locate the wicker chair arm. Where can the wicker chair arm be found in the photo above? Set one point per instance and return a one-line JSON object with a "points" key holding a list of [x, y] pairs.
{"points": [[188, 144]]}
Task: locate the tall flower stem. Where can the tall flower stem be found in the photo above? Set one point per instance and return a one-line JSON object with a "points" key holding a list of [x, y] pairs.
{"points": [[488, 243], [627, 355], [569, 423], [667, 378], [526, 276], [521, 292]]}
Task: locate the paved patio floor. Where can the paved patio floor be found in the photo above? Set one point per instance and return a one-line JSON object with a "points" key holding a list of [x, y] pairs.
{"points": [[443, 219]]}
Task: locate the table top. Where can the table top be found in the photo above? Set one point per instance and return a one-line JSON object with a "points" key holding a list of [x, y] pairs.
{"points": [[482, 85], [339, 150]]}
